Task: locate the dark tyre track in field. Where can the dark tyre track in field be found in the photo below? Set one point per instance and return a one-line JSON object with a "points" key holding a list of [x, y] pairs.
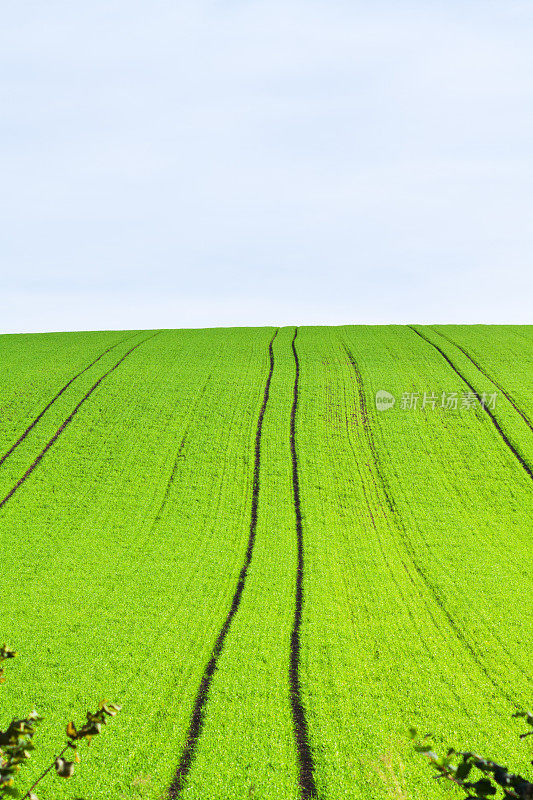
{"points": [[197, 717], [489, 378], [68, 420], [520, 458], [58, 395], [305, 756], [369, 435]]}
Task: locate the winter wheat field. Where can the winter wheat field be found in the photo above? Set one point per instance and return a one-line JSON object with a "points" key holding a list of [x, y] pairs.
{"points": [[276, 549]]}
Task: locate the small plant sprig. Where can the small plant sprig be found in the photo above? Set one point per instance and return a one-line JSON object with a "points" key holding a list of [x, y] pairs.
{"points": [[16, 742], [5, 653], [15, 746], [457, 766]]}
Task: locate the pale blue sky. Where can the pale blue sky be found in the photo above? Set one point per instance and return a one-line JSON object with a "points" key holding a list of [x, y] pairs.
{"points": [[190, 164]]}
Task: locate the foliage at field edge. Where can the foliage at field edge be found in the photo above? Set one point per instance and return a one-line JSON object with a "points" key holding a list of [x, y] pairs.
{"points": [[16, 742], [457, 766]]}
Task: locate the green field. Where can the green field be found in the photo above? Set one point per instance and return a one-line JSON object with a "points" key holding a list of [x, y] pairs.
{"points": [[220, 531]]}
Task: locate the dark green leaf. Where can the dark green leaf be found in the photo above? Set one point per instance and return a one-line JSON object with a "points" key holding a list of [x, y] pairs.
{"points": [[463, 770], [484, 787]]}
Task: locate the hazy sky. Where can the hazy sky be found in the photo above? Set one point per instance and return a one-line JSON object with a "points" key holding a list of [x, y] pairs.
{"points": [[190, 164]]}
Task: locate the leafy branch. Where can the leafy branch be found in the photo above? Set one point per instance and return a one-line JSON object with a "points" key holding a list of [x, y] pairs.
{"points": [[16, 742], [457, 767]]}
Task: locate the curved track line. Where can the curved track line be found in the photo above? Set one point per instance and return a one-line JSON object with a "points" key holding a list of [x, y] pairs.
{"points": [[197, 717], [158, 515], [58, 395], [485, 373], [174, 469], [378, 485], [520, 458], [305, 756], [406, 542], [68, 420], [179, 455]]}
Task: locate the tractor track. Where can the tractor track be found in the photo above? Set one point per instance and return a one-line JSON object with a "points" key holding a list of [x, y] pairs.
{"points": [[67, 421], [178, 457], [409, 547], [58, 395], [520, 458], [488, 377], [378, 488], [197, 717], [141, 546], [305, 756]]}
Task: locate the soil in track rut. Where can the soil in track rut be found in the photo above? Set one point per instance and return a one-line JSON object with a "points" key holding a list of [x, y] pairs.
{"points": [[483, 371], [305, 756], [197, 717], [67, 421], [520, 458], [58, 395]]}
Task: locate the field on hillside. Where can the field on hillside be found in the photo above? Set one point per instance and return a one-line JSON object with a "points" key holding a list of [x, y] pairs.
{"points": [[274, 573]]}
